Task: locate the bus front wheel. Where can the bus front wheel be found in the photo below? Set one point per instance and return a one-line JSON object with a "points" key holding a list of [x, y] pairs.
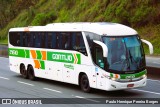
{"points": [[23, 71], [84, 83], [31, 73]]}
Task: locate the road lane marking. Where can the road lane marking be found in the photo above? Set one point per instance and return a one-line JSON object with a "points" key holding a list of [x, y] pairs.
{"points": [[52, 90], [79, 97], [147, 91], [154, 80], [25, 83], [87, 99], [4, 78]]}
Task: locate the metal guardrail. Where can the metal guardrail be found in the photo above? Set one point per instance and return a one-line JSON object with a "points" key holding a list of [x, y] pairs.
{"points": [[3, 50]]}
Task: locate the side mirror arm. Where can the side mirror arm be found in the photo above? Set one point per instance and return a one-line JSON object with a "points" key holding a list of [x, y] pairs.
{"points": [[149, 44]]}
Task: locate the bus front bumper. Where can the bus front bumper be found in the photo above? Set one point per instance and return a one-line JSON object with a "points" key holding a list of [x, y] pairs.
{"points": [[114, 85]]}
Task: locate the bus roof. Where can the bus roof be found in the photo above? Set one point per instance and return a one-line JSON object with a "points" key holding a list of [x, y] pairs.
{"points": [[101, 28]]}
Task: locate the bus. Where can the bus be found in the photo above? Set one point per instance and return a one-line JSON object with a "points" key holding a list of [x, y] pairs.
{"points": [[100, 55]]}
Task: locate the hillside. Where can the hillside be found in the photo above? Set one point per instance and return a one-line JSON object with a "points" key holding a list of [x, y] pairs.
{"points": [[142, 15]]}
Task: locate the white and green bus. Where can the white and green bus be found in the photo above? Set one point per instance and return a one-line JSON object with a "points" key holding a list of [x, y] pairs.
{"points": [[106, 56]]}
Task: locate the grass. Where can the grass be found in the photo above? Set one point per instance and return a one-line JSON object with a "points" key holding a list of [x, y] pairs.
{"points": [[4, 42]]}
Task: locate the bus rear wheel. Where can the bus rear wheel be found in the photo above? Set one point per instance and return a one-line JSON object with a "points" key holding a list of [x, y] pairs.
{"points": [[23, 71], [31, 73], [84, 83]]}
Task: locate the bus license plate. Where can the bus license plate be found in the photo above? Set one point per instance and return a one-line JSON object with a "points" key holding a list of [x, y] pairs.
{"points": [[130, 85]]}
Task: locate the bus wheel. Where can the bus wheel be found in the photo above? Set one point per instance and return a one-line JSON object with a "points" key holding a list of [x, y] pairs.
{"points": [[23, 71], [31, 73], [84, 83]]}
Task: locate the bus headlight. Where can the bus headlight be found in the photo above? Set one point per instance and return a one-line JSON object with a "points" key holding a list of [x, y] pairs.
{"points": [[144, 76], [114, 79]]}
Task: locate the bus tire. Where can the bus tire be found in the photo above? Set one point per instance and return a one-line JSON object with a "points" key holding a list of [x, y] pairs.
{"points": [[31, 73], [23, 71], [84, 83]]}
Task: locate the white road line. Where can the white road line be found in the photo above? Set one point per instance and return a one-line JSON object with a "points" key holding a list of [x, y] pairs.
{"points": [[79, 97], [25, 83], [147, 91], [153, 80], [52, 90], [4, 78], [87, 99]]}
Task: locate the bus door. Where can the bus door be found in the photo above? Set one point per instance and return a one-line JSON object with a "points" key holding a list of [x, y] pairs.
{"points": [[101, 81]]}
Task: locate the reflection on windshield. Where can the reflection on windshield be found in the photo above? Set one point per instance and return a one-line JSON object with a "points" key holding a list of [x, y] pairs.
{"points": [[124, 53]]}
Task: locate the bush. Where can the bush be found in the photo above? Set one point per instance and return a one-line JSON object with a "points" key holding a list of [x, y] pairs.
{"points": [[43, 18]]}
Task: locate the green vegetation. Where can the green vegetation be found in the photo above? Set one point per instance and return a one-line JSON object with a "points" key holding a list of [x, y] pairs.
{"points": [[142, 15]]}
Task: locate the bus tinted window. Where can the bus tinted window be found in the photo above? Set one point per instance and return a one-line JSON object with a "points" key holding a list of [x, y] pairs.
{"points": [[37, 40], [51, 40], [65, 41], [14, 38], [78, 43]]}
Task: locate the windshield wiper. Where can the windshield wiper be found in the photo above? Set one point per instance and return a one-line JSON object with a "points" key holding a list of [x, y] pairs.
{"points": [[132, 59], [127, 58]]}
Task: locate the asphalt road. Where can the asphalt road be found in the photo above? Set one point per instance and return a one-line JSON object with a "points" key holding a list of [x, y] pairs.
{"points": [[12, 85]]}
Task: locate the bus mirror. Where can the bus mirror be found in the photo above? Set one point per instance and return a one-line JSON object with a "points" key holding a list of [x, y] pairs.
{"points": [[104, 47], [149, 44]]}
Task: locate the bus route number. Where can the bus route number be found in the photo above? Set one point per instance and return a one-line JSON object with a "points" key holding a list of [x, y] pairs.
{"points": [[13, 52]]}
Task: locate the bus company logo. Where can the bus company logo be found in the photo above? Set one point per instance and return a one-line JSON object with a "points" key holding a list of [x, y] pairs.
{"points": [[130, 76], [62, 57]]}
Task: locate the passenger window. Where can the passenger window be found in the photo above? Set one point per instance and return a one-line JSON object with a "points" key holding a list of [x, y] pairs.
{"points": [[78, 43], [43, 40], [14, 38], [64, 40], [51, 40], [37, 40]]}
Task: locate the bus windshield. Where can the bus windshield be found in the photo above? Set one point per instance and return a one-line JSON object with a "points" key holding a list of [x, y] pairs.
{"points": [[125, 54]]}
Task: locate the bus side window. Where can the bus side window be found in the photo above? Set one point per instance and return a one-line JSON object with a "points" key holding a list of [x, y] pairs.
{"points": [[66, 41], [30, 40], [54, 40], [37, 40], [14, 38], [78, 43], [24, 37], [51, 40], [59, 37], [43, 40], [21, 39]]}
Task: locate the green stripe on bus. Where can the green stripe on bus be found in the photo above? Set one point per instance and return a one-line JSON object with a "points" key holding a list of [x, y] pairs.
{"points": [[79, 58], [42, 64], [51, 56], [62, 57], [17, 52], [124, 76], [39, 55], [27, 53]]}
